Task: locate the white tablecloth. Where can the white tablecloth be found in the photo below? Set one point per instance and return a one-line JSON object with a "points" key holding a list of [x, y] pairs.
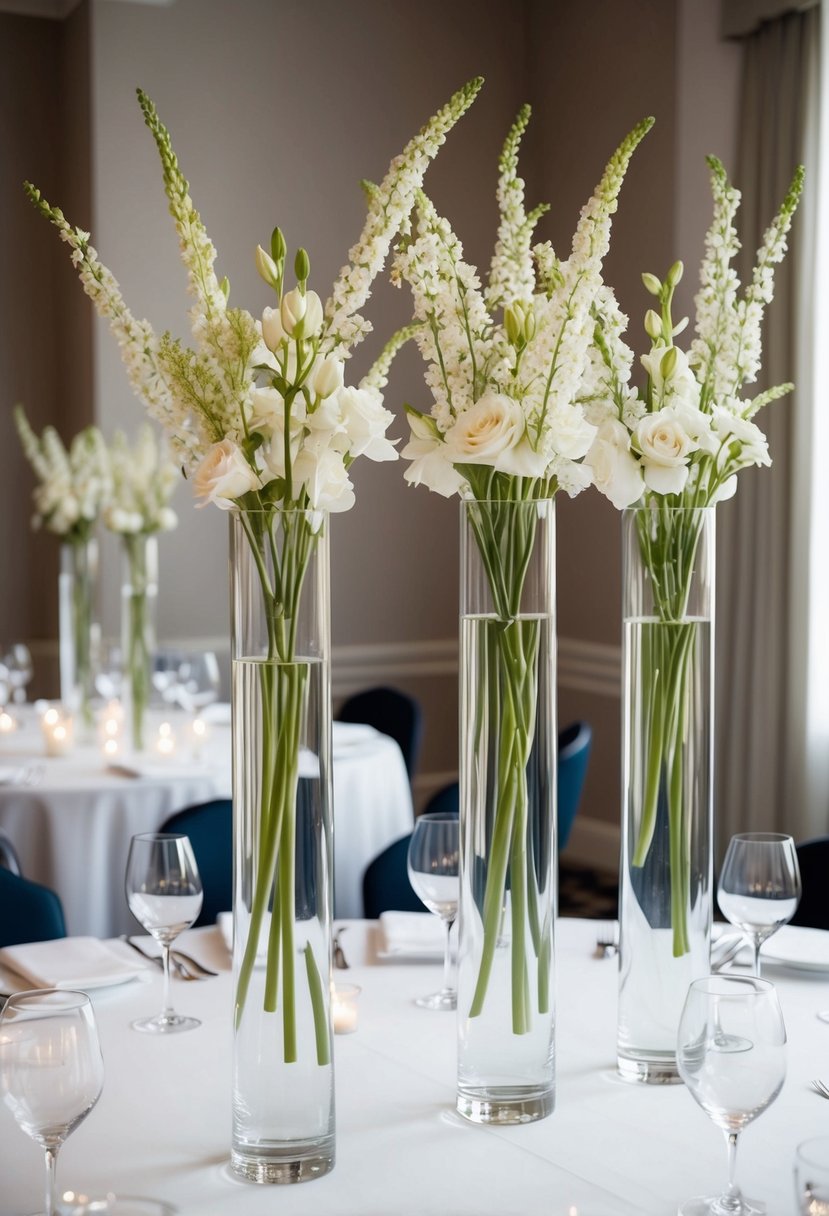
{"points": [[72, 830], [610, 1148]]}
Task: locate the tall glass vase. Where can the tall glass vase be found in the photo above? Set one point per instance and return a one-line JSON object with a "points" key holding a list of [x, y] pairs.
{"points": [[139, 596], [283, 1076], [78, 627], [666, 862], [506, 1005]]}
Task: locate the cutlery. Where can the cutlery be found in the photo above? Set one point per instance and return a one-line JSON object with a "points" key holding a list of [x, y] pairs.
{"points": [[187, 967], [725, 950], [821, 1088]]}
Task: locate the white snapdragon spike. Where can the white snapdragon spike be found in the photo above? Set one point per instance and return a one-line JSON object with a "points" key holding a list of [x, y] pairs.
{"points": [[74, 485], [389, 206], [511, 275], [143, 481]]}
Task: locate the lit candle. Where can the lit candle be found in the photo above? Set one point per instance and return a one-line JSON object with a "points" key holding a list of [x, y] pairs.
{"points": [[199, 732], [51, 717], [57, 734], [344, 1007], [7, 722], [166, 742], [110, 747]]}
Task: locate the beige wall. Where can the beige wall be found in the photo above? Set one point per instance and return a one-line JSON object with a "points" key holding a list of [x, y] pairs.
{"points": [[276, 111]]}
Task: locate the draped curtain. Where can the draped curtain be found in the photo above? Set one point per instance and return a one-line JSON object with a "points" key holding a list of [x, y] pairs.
{"points": [[765, 662]]}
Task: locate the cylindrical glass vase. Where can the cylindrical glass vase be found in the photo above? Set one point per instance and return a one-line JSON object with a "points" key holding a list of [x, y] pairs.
{"points": [[139, 597], [78, 627], [508, 755], [666, 862], [283, 1075]]}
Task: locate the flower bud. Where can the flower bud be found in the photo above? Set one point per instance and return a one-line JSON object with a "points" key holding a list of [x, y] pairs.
{"points": [[653, 324], [529, 326], [651, 283], [312, 321], [302, 266], [272, 328], [278, 246], [266, 267], [328, 377], [292, 310], [675, 274], [668, 364], [514, 324]]}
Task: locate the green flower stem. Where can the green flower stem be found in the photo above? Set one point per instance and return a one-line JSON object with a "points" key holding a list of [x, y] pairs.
{"points": [[138, 641], [283, 690], [82, 592]]}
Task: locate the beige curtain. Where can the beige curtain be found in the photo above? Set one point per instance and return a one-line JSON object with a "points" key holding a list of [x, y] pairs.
{"points": [[760, 575]]}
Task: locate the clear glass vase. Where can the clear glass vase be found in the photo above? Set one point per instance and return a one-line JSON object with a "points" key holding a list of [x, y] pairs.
{"points": [[506, 995], [78, 628], [666, 862], [139, 597], [283, 1075]]}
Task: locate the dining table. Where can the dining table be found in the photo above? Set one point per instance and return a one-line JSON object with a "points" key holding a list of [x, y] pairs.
{"points": [[610, 1148], [71, 817]]}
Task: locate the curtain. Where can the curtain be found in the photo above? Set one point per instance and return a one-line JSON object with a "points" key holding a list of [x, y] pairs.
{"points": [[761, 584]]}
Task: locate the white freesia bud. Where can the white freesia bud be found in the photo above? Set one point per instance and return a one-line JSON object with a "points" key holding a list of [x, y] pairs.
{"points": [[272, 329], [675, 274], [292, 310], [653, 324], [312, 322], [223, 475], [266, 267], [328, 376], [651, 283]]}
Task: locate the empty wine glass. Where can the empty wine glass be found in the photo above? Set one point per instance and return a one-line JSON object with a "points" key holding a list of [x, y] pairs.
{"points": [[760, 885], [19, 670], [198, 680], [731, 1054], [109, 677], [433, 873], [164, 893], [51, 1070]]}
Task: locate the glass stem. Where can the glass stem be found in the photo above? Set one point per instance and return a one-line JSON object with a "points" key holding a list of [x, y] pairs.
{"points": [[167, 1011], [756, 944], [51, 1181], [732, 1200], [447, 958]]}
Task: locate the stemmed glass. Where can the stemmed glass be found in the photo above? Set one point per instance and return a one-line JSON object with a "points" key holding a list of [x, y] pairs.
{"points": [[760, 885], [433, 873], [198, 680], [164, 893], [51, 1069], [19, 670], [731, 1054]]}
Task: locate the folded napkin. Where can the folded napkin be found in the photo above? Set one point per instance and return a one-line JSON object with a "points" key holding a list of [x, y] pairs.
{"points": [[345, 735], [74, 962], [412, 935], [225, 922]]}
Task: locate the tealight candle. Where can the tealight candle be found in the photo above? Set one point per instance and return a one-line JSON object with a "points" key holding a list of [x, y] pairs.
{"points": [[51, 717], [7, 722], [57, 734], [166, 742], [111, 747], [199, 732], [344, 1007]]}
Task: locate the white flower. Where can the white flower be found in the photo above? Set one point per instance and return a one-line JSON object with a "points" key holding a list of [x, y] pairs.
{"points": [[273, 331], [366, 423], [745, 442], [327, 376], [167, 519], [570, 434], [679, 385], [223, 475], [665, 446], [486, 430], [616, 472], [430, 465], [267, 410], [312, 321], [301, 315], [323, 475]]}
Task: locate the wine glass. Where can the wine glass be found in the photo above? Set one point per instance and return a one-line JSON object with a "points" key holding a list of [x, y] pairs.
{"points": [[760, 885], [198, 680], [109, 678], [731, 1054], [19, 670], [51, 1069], [433, 873], [164, 893]]}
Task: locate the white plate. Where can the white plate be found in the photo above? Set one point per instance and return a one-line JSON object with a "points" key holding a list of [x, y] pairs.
{"points": [[793, 946]]}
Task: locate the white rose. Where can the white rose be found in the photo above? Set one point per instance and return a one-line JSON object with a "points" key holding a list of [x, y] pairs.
{"points": [[366, 422], [485, 431], [430, 465], [616, 472], [223, 475], [665, 446], [323, 475]]}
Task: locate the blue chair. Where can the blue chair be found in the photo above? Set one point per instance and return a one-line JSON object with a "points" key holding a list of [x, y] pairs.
{"points": [[210, 829], [391, 712], [28, 911], [8, 855], [813, 859], [386, 883], [573, 754]]}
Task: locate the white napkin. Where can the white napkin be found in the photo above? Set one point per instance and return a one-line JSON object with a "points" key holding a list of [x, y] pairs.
{"points": [[798, 947], [225, 922], [412, 935], [348, 735], [74, 962]]}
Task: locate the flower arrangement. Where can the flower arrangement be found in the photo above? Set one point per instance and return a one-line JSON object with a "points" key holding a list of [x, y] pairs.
{"points": [[259, 415], [143, 481], [506, 426], [74, 483], [679, 442]]}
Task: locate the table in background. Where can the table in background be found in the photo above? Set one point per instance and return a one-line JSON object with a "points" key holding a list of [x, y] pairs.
{"points": [[72, 829], [162, 1127]]}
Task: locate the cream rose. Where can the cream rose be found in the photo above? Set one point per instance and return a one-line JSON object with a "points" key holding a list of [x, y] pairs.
{"points": [[665, 446], [223, 475], [485, 431], [616, 473]]}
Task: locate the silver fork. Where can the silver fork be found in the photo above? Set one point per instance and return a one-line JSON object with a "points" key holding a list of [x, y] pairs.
{"points": [[821, 1088]]}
